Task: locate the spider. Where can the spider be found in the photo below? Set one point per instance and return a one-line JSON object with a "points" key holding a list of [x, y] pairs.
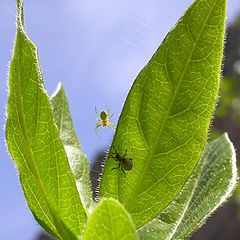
{"points": [[103, 119]]}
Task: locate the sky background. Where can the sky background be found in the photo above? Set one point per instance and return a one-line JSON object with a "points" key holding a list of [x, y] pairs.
{"points": [[96, 49]]}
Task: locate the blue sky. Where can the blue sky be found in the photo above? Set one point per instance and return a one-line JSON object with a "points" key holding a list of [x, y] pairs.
{"points": [[96, 49]]}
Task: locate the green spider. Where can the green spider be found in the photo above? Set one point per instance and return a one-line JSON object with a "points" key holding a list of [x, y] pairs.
{"points": [[103, 119]]}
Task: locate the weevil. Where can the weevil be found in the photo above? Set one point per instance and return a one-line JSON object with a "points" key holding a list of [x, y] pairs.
{"points": [[124, 162], [103, 119]]}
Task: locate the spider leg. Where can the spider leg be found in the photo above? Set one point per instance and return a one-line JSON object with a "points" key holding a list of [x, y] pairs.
{"points": [[98, 124], [96, 111], [108, 112], [111, 125]]}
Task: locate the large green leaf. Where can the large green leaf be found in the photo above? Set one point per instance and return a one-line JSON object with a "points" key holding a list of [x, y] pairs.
{"points": [[212, 182], [77, 159], [35, 145], [165, 119], [110, 221]]}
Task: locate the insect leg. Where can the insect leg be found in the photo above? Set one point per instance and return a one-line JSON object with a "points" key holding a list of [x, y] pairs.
{"points": [[113, 157], [117, 167], [115, 150], [125, 153], [123, 172]]}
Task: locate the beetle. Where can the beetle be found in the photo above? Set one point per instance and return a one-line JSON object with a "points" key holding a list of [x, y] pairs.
{"points": [[103, 119], [123, 162]]}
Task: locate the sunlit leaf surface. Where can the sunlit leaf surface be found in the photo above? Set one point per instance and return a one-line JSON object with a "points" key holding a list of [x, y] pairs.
{"points": [[35, 144], [210, 185], [166, 117]]}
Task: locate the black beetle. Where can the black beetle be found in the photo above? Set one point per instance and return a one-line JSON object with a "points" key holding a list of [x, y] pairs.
{"points": [[123, 162]]}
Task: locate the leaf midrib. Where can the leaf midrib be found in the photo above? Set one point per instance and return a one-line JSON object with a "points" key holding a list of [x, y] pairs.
{"points": [[133, 195]]}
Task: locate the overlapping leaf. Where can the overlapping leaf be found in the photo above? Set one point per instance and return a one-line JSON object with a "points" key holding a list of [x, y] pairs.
{"points": [[211, 183], [110, 221], [77, 159]]}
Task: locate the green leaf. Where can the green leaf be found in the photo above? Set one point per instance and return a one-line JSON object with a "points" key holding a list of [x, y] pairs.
{"points": [[77, 159], [165, 119], [210, 185], [110, 221], [35, 145]]}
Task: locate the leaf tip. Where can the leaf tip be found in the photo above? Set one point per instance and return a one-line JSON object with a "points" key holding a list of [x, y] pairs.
{"points": [[58, 89], [20, 15]]}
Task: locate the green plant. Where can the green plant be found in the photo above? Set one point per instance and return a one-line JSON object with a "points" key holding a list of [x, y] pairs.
{"points": [[177, 180]]}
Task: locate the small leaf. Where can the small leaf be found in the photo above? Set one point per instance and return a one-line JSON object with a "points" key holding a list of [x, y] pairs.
{"points": [[77, 159], [165, 119], [110, 221], [35, 145], [210, 185]]}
